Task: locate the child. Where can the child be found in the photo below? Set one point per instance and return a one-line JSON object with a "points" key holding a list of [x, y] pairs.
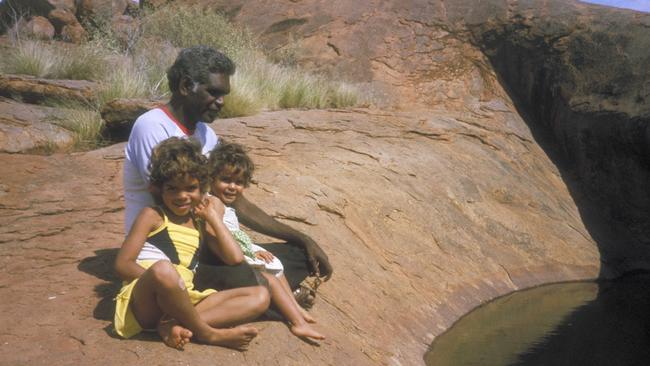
{"points": [[231, 171], [158, 256]]}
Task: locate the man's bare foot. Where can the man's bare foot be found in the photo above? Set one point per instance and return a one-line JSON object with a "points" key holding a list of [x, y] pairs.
{"points": [[173, 334], [236, 338], [305, 315], [306, 331]]}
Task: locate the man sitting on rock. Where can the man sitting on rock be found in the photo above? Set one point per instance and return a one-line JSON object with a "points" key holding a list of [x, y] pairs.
{"points": [[198, 80]]}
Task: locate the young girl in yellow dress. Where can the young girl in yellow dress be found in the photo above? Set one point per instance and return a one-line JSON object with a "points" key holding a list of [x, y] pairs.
{"points": [[159, 255]]}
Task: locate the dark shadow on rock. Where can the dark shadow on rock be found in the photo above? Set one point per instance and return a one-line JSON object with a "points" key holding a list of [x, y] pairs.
{"points": [[101, 266], [213, 273], [613, 329], [603, 156]]}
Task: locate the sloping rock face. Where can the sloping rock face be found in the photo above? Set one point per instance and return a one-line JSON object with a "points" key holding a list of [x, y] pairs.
{"points": [[435, 201], [30, 128], [577, 72], [416, 239]]}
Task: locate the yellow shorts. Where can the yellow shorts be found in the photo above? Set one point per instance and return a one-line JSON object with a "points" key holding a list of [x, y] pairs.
{"points": [[125, 323]]}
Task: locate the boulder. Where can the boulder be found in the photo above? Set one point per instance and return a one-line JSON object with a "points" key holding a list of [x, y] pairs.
{"points": [[153, 4], [29, 128], [37, 27], [61, 17], [125, 29], [34, 90], [73, 33], [100, 9], [119, 115]]}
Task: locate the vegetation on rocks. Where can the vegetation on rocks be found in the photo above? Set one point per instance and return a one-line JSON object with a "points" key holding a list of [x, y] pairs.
{"points": [[133, 65]]}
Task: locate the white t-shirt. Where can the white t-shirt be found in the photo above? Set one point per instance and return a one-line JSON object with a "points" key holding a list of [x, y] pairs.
{"points": [[150, 129]]}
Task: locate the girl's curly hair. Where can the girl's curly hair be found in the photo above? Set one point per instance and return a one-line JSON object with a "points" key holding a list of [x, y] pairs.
{"points": [[230, 154], [178, 157]]}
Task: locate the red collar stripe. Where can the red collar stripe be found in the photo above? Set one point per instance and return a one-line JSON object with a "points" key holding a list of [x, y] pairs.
{"points": [[178, 123]]}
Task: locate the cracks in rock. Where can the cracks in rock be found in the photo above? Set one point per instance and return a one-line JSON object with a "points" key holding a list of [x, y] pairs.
{"points": [[480, 126], [293, 142], [331, 210], [333, 47], [508, 274], [481, 139], [273, 152], [253, 127], [357, 152], [580, 232], [37, 235], [438, 136], [303, 220], [437, 243], [311, 128], [80, 340]]}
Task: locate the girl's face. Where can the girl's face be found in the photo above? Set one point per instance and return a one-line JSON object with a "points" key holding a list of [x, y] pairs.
{"points": [[228, 185], [181, 194]]}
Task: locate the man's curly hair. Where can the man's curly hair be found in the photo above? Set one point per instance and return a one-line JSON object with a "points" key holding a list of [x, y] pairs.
{"points": [[197, 63], [230, 154], [178, 157]]}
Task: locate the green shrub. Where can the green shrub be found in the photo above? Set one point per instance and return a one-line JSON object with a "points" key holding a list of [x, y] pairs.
{"points": [[43, 60], [190, 26], [125, 81], [86, 62], [30, 58]]}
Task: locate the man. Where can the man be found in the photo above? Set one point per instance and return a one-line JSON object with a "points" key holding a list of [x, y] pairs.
{"points": [[198, 80]]}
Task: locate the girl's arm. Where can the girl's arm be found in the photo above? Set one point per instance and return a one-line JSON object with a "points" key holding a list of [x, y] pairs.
{"points": [[125, 266], [217, 237]]}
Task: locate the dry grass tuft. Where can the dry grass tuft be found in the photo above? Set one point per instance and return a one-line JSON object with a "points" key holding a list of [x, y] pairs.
{"points": [[137, 68]]}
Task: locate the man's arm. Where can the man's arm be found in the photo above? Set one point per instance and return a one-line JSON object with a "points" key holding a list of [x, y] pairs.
{"points": [[256, 219]]}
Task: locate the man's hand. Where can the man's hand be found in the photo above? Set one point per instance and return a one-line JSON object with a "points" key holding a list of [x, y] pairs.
{"points": [[319, 263]]}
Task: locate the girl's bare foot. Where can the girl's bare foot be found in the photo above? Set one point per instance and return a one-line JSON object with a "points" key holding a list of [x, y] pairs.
{"points": [[174, 335], [236, 338], [305, 315], [306, 331]]}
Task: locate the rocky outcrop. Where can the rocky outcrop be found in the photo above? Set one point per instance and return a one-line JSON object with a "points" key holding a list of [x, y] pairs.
{"points": [[37, 27], [393, 197], [119, 115], [581, 77], [66, 16], [577, 72], [34, 90], [26, 128]]}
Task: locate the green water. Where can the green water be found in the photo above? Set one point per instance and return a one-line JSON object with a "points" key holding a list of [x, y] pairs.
{"points": [[575, 324]]}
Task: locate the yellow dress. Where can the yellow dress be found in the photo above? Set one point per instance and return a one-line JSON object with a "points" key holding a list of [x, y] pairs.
{"points": [[176, 243]]}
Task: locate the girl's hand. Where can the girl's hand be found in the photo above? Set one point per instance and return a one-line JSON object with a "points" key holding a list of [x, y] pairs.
{"points": [[206, 210], [265, 256]]}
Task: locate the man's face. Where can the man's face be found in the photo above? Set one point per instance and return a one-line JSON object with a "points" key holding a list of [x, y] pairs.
{"points": [[206, 100]]}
